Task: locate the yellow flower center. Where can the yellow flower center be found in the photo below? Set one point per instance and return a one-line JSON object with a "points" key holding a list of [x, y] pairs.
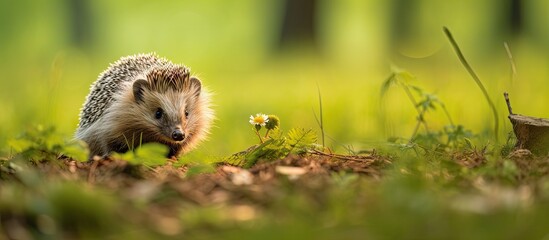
{"points": [[259, 120]]}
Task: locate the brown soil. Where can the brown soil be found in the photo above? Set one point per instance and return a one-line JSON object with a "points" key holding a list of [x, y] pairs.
{"points": [[228, 183]]}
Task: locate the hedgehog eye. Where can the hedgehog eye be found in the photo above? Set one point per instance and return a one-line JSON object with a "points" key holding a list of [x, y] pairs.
{"points": [[186, 113], [158, 113]]}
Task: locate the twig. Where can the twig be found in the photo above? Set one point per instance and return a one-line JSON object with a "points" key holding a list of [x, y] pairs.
{"points": [[476, 78], [506, 96], [343, 157], [91, 173]]}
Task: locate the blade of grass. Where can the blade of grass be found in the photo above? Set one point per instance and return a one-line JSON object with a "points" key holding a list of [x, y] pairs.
{"points": [[476, 78], [512, 62], [321, 121]]}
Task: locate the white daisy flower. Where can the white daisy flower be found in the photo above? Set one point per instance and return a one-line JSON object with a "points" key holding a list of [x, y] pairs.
{"points": [[259, 119]]}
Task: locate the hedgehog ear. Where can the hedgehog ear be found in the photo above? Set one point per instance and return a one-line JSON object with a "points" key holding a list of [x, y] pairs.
{"points": [[139, 87], [195, 86]]}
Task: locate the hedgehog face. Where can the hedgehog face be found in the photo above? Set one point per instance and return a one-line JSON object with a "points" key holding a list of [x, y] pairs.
{"points": [[168, 106]]}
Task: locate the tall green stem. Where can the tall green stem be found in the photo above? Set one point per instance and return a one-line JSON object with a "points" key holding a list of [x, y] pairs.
{"points": [[475, 77]]}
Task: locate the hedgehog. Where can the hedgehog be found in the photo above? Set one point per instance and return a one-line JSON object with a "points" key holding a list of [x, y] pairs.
{"points": [[142, 99]]}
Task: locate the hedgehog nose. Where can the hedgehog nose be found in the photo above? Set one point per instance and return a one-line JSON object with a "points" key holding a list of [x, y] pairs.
{"points": [[177, 135]]}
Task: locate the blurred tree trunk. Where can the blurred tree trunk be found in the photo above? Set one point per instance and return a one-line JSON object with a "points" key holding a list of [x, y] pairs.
{"points": [[299, 22], [79, 16], [402, 20], [515, 17], [402, 23]]}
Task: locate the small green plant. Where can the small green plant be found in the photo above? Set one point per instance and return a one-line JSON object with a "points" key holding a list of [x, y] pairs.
{"points": [[41, 143], [451, 135], [296, 141], [509, 144], [150, 154], [402, 79], [276, 145]]}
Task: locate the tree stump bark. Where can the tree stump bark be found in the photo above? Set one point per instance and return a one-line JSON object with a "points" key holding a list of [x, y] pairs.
{"points": [[532, 132]]}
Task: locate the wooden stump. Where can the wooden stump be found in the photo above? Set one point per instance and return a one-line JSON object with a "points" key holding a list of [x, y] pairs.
{"points": [[532, 133]]}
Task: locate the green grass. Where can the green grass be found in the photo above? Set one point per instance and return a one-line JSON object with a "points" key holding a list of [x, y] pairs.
{"points": [[428, 196]]}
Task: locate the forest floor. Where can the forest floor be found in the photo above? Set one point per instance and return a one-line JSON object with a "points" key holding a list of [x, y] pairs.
{"points": [[467, 194]]}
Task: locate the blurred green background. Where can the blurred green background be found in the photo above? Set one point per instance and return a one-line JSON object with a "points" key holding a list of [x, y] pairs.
{"points": [[271, 56]]}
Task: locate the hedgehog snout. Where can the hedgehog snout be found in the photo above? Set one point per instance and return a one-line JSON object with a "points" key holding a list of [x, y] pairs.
{"points": [[178, 135]]}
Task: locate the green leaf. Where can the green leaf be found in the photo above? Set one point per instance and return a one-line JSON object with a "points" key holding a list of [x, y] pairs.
{"points": [[200, 168], [417, 89], [270, 150], [149, 154], [299, 139], [76, 150], [387, 84], [406, 77], [152, 153], [469, 143], [20, 145]]}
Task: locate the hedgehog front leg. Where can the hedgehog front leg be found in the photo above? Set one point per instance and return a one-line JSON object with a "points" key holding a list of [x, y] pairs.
{"points": [[175, 151], [97, 149]]}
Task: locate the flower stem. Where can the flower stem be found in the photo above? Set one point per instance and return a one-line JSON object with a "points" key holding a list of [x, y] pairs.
{"points": [[267, 133], [259, 136]]}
